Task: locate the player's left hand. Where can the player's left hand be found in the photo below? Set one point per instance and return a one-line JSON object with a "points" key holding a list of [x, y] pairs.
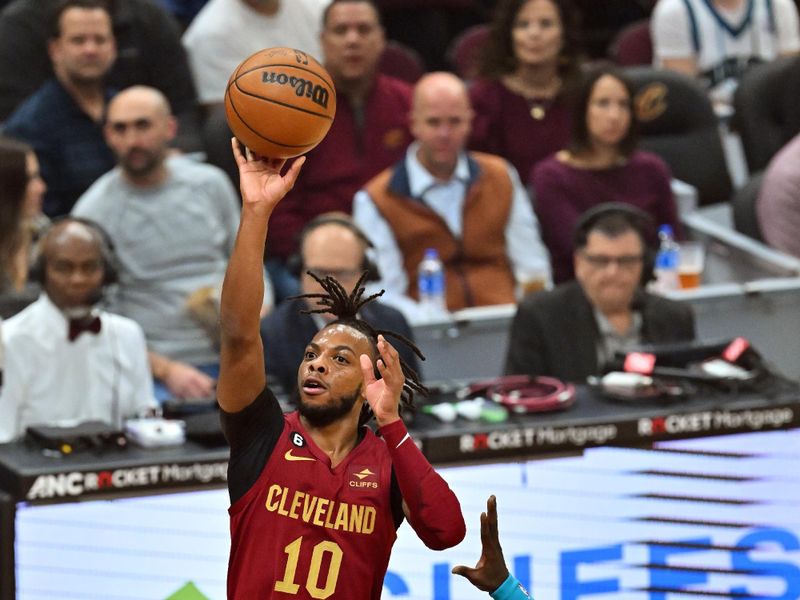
{"points": [[260, 180], [383, 394]]}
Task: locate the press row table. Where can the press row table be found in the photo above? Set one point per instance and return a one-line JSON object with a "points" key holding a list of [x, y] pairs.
{"points": [[27, 476]]}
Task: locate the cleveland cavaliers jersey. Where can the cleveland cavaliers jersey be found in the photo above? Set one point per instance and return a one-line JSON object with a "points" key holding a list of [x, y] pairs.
{"points": [[305, 530]]}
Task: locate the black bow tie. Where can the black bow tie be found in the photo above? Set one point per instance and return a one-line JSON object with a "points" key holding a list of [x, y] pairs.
{"points": [[78, 326]]}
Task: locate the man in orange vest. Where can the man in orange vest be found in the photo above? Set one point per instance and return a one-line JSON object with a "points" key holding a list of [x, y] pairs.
{"points": [[469, 206]]}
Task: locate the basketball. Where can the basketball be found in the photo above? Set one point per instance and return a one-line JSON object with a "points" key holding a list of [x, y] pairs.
{"points": [[280, 102]]}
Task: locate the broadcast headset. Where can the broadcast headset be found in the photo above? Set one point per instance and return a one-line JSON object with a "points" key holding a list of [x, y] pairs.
{"points": [[624, 214], [110, 270]]}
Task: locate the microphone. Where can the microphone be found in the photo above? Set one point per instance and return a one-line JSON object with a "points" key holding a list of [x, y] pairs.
{"points": [[637, 302], [741, 353], [116, 377], [736, 361], [96, 296]]}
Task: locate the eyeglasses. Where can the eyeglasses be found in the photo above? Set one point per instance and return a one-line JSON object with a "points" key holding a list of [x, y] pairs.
{"points": [[603, 261], [338, 274]]}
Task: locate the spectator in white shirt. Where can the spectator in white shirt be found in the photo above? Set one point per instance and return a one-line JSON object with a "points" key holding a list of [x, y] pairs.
{"points": [[66, 360], [719, 39], [225, 32]]}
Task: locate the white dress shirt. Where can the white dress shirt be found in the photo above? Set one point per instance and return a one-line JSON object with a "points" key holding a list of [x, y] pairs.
{"points": [[524, 247], [48, 380]]}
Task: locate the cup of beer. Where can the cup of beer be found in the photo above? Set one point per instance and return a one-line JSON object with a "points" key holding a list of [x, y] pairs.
{"points": [[691, 261]]}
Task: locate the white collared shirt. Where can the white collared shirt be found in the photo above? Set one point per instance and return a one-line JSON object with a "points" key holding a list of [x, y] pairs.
{"points": [[446, 198], [524, 246], [48, 380]]}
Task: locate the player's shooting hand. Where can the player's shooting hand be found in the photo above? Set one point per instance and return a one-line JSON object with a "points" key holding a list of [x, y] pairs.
{"points": [[490, 571], [383, 394], [260, 180]]}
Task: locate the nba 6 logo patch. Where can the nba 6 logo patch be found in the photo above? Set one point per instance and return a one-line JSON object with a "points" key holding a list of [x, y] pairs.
{"points": [[362, 477], [299, 442]]}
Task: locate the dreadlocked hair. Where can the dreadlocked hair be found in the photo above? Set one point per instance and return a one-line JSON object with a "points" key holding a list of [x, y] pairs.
{"points": [[345, 306]]}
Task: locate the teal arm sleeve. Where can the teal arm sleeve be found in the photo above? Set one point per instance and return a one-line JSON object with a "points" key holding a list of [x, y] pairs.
{"points": [[510, 589]]}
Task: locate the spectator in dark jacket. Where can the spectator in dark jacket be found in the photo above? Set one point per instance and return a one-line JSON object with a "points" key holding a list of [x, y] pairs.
{"points": [[149, 52], [574, 330]]}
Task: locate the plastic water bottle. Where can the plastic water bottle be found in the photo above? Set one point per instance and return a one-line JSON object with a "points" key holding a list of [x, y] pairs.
{"points": [[666, 266], [430, 283]]}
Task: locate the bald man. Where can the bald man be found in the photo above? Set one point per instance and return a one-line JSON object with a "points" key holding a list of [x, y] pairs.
{"points": [[330, 244], [173, 222], [470, 206], [67, 361]]}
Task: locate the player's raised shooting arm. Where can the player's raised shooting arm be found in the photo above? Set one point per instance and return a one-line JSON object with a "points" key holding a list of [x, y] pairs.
{"points": [[242, 375]]}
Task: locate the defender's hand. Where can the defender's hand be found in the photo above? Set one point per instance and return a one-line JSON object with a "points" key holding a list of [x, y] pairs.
{"points": [[490, 571]]}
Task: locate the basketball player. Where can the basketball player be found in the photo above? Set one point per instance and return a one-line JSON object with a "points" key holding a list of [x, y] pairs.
{"points": [[316, 497]]}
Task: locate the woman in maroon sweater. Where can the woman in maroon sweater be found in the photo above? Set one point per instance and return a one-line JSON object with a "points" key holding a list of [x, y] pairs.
{"points": [[601, 164], [529, 64]]}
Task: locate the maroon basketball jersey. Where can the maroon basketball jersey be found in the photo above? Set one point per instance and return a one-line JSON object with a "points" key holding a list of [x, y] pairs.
{"points": [[305, 530]]}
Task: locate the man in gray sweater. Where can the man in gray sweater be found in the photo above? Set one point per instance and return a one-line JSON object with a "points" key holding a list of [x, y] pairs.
{"points": [[173, 222]]}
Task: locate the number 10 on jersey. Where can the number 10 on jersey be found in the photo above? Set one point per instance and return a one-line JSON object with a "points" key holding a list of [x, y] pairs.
{"points": [[288, 585]]}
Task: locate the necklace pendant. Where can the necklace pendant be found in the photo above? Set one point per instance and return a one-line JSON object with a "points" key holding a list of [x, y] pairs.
{"points": [[537, 112]]}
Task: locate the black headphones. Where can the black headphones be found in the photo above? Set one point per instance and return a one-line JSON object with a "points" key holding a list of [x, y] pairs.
{"points": [[36, 273], [638, 220], [295, 263]]}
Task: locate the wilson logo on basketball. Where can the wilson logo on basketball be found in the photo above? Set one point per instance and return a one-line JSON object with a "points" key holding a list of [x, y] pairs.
{"points": [[302, 87], [365, 479]]}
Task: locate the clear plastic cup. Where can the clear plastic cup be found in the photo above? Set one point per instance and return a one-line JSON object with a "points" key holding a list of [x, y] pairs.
{"points": [[691, 262]]}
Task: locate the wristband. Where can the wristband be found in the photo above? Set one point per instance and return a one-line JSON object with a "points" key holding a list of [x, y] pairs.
{"points": [[510, 589]]}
